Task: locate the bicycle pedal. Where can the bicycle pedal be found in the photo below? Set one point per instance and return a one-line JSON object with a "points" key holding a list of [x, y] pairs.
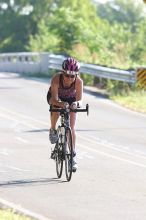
{"points": [[52, 155]]}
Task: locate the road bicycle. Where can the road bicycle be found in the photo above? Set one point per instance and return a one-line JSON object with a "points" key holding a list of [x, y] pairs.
{"points": [[63, 151]]}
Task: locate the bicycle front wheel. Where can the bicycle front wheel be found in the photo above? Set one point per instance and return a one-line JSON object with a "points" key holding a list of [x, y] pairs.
{"points": [[59, 159], [68, 154]]}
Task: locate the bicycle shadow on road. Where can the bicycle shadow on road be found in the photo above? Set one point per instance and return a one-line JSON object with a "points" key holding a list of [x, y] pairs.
{"points": [[38, 130], [87, 130], [47, 130], [31, 182]]}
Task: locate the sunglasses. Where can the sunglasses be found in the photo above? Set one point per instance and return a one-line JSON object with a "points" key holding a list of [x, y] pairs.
{"points": [[69, 76]]}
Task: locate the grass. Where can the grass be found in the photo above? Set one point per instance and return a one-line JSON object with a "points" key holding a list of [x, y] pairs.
{"points": [[134, 100], [11, 215]]}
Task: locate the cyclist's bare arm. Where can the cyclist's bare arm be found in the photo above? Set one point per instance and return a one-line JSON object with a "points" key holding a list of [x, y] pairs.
{"points": [[79, 92], [54, 93]]}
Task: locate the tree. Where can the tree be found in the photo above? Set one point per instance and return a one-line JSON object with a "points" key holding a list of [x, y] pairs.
{"points": [[71, 23], [43, 40], [122, 11], [19, 19]]}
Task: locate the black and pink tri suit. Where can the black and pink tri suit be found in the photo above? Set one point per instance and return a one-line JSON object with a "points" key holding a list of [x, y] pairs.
{"points": [[65, 94]]}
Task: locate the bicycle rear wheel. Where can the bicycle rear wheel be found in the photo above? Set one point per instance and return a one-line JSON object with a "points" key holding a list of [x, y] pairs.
{"points": [[59, 159], [68, 154]]}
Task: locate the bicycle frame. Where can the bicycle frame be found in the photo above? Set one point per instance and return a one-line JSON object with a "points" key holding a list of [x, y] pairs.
{"points": [[65, 115], [65, 139]]}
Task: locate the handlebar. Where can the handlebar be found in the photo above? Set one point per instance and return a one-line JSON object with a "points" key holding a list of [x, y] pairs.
{"points": [[67, 110]]}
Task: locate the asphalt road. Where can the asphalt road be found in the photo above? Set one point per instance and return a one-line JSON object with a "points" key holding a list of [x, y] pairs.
{"points": [[110, 183]]}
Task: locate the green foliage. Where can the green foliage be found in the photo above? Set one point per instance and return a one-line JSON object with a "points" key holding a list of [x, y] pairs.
{"points": [[11, 215], [111, 34], [135, 100], [67, 31], [118, 87], [88, 80], [13, 30], [44, 40], [122, 11]]}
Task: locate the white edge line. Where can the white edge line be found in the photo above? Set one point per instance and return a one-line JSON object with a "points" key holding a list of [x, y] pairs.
{"points": [[110, 146], [114, 157], [21, 140], [18, 121], [19, 210], [16, 168], [11, 113], [93, 141]]}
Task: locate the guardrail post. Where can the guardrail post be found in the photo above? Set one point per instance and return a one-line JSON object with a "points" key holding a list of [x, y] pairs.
{"points": [[44, 59]]}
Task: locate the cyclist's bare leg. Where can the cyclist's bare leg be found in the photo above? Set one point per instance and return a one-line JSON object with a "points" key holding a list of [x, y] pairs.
{"points": [[72, 125], [54, 118]]}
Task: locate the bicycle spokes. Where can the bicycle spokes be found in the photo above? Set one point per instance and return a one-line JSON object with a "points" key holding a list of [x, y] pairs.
{"points": [[59, 159], [68, 154]]}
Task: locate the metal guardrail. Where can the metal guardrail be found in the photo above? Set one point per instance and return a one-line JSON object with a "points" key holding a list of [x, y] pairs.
{"points": [[55, 62], [42, 62]]}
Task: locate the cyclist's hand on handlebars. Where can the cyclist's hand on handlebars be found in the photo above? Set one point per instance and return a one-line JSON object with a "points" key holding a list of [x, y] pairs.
{"points": [[65, 105], [73, 105]]}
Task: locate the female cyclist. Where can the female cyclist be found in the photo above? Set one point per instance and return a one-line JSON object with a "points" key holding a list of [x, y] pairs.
{"points": [[66, 91]]}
